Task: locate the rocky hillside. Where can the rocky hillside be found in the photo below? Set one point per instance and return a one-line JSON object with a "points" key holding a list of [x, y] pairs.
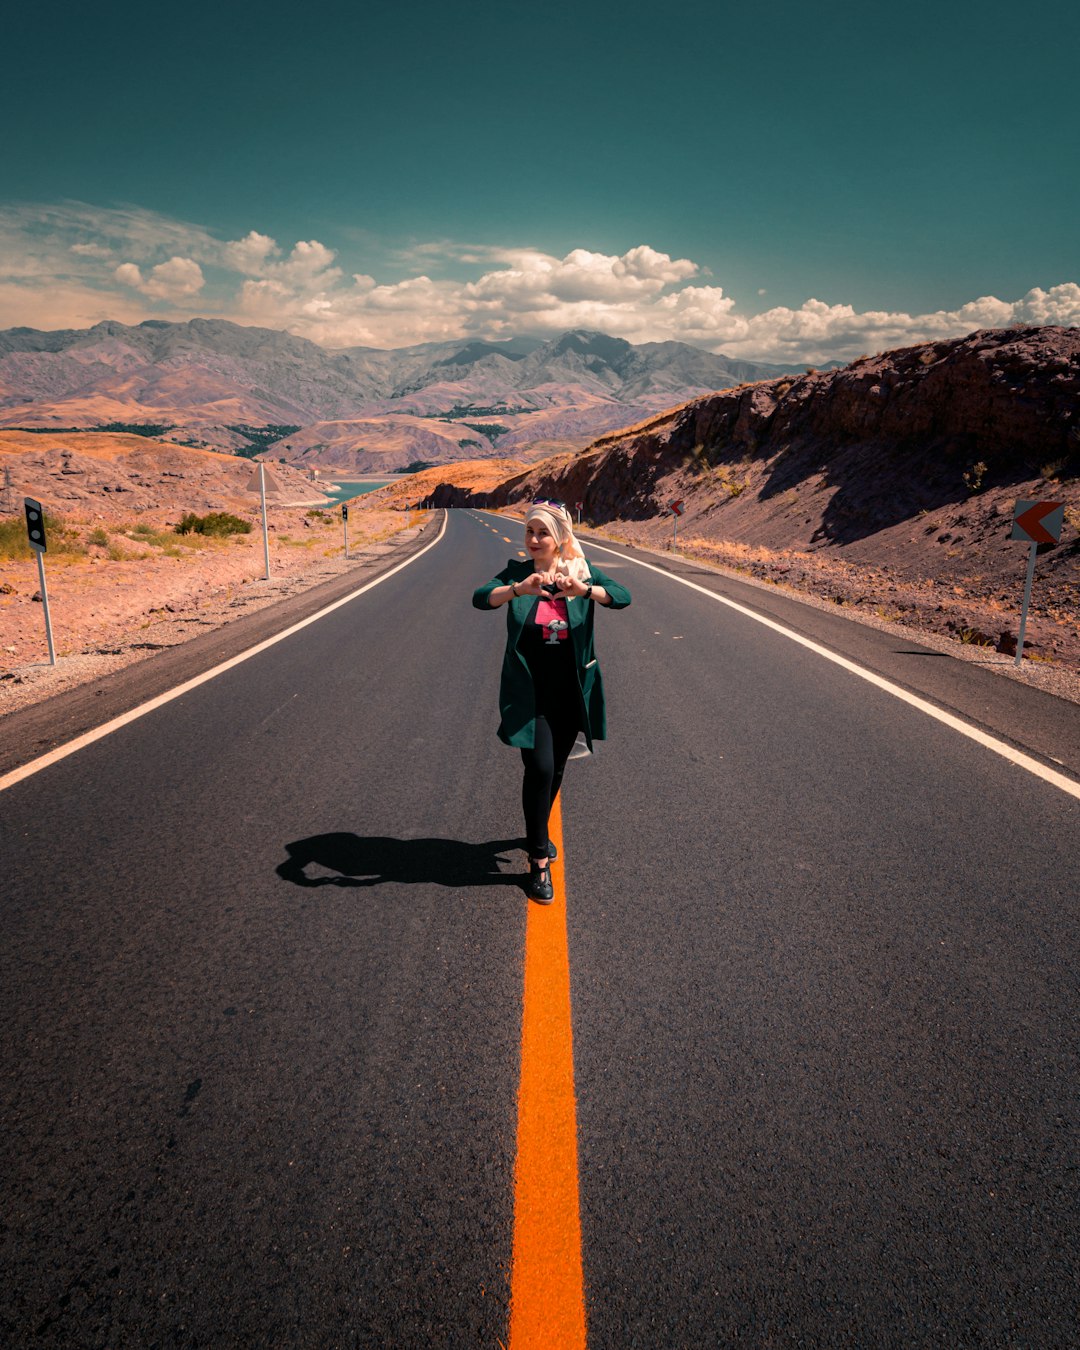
{"points": [[218, 385], [907, 463]]}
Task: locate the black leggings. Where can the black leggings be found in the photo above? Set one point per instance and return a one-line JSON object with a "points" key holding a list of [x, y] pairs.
{"points": [[544, 764]]}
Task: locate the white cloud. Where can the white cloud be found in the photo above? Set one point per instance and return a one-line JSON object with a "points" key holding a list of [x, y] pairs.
{"points": [[250, 255], [1060, 304], [58, 267], [128, 274], [173, 280]]}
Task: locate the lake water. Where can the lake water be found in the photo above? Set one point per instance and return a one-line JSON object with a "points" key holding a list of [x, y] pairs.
{"points": [[342, 491]]}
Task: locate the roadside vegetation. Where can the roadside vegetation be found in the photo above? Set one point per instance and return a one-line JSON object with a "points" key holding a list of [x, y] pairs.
{"points": [[214, 523], [60, 538]]}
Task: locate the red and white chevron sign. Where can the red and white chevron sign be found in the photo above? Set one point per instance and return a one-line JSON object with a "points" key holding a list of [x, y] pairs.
{"points": [[675, 507], [1038, 522]]}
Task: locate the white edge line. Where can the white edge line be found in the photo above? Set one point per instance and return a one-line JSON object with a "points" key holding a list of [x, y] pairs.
{"points": [[1017, 757], [106, 728]]}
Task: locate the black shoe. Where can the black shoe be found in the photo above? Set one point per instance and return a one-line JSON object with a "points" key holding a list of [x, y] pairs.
{"points": [[553, 852], [539, 887]]}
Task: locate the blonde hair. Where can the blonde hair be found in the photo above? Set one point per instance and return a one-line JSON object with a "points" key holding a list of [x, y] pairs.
{"points": [[557, 521]]}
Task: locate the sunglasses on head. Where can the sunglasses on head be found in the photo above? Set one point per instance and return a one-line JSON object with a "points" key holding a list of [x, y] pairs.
{"points": [[547, 501]]}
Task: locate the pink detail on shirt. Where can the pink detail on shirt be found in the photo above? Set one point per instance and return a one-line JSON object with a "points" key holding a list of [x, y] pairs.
{"points": [[549, 610]]}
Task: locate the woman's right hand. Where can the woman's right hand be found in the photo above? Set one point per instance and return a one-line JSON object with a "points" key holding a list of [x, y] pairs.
{"points": [[533, 585]]}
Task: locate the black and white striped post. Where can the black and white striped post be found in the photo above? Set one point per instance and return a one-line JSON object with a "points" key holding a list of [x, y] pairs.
{"points": [[35, 531], [345, 525]]}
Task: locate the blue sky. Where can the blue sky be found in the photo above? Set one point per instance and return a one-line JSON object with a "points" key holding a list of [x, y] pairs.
{"points": [[494, 168]]}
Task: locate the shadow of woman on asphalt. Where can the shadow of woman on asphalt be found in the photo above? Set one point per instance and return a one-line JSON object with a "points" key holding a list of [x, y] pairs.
{"points": [[356, 860]]}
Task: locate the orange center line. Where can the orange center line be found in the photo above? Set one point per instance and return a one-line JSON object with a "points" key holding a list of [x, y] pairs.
{"points": [[547, 1287]]}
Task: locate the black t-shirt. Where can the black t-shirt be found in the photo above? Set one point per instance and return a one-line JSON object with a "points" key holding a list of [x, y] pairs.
{"points": [[551, 663]]}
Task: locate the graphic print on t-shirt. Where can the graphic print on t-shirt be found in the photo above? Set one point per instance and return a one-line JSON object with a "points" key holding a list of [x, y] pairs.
{"points": [[549, 612]]}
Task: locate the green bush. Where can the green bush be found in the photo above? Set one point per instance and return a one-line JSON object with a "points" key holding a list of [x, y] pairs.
{"points": [[59, 538], [215, 522]]}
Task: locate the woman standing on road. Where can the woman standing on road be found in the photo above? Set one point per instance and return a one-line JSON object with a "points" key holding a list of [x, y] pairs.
{"points": [[551, 687]]}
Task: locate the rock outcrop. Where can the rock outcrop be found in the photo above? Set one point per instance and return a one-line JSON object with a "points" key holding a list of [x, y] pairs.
{"points": [[887, 436]]}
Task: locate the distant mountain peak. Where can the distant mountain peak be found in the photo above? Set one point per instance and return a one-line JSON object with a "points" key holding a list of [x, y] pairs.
{"points": [[589, 342], [213, 382]]}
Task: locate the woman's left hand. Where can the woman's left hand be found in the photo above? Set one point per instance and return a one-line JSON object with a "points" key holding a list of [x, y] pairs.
{"points": [[570, 585]]}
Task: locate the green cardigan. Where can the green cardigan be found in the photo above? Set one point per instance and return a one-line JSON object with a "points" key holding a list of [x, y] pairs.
{"points": [[517, 698]]}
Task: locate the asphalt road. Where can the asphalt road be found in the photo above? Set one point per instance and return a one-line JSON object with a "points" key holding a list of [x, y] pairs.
{"points": [[262, 979]]}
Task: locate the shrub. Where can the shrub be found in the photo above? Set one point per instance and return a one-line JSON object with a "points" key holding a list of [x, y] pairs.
{"points": [[1050, 472], [215, 522], [59, 537], [974, 637], [973, 477], [13, 538]]}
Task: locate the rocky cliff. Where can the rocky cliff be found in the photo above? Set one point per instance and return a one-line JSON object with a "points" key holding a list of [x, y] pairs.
{"points": [[909, 462]]}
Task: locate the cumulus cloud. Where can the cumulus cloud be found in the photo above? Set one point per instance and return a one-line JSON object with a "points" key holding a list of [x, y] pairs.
{"points": [[250, 255], [173, 280], [58, 267]]}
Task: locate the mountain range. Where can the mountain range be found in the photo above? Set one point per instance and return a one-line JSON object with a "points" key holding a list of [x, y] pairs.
{"points": [[220, 385]]}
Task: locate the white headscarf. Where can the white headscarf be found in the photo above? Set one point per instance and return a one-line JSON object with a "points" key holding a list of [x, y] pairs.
{"points": [[560, 526]]}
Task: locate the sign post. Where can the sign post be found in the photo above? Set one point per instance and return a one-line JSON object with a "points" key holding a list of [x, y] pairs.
{"points": [[35, 531], [579, 505], [345, 525], [1037, 523], [675, 507], [266, 532]]}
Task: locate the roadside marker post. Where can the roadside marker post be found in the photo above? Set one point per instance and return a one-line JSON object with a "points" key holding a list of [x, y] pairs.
{"points": [[1037, 523], [35, 532], [266, 532], [675, 507], [345, 525]]}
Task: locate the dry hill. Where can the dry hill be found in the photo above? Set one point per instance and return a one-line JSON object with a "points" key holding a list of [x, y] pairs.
{"points": [[103, 475]]}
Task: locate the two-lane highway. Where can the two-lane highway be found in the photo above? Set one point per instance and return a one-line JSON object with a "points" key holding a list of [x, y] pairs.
{"points": [[263, 1000]]}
